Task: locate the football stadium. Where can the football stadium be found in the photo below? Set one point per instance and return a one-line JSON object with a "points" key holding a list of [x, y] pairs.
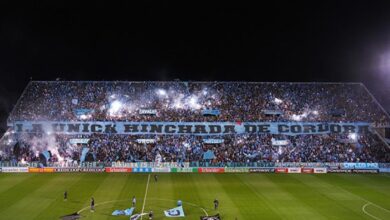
{"points": [[195, 150]]}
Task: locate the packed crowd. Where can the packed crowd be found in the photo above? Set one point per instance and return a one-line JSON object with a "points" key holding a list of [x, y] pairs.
{"points": [[243, 148], [184, 101]]}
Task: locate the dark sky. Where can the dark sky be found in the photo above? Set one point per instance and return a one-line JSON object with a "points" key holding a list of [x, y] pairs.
{"points": [[282, 41]]}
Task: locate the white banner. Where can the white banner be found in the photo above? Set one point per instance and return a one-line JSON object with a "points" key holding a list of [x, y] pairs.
{"points": [[146, 141], [161, 170], [320, 170], [187, 128], [294, 170], [79, 141], [15, 169]]}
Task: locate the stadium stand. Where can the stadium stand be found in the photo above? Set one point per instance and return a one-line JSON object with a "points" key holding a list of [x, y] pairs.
{"points": [[238, 103]]}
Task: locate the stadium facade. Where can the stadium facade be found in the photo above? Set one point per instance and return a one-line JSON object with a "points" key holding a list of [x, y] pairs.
{"points": [[195, 124]]}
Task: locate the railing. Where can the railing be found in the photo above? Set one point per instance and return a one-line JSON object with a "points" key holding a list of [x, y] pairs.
{"points": [[183, 164]]}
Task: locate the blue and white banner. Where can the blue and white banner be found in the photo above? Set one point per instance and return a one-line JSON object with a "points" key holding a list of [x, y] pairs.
{"points": [[82, 111], [360, 166], [189, 128], [252, 155], [147, 112], [175, 212], [142, 170], [213, 141], [79, 141], [276, 142], [212, 112], [146, 141], [127, 212]]}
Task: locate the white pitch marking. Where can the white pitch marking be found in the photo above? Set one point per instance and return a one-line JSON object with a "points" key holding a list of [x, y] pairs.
{"points": [[146, 193], [365, 212], [367, 202]]}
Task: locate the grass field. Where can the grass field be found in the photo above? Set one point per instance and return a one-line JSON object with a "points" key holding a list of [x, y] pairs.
{"points": [[245, 196]]}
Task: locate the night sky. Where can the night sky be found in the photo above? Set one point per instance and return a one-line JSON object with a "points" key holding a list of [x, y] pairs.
{"points": [[284, 41]]}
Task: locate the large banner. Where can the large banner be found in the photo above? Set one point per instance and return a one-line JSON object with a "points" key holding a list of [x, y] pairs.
{"points": [[175, 212], [189, 128], [360, 165], [126, 212]]}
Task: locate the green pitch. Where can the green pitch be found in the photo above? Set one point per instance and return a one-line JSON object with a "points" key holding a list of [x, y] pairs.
{"points": [[245, 196]]}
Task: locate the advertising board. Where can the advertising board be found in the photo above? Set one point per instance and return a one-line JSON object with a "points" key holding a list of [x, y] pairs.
{"points": [[294, 170], [161, 170], [365, 171], [307, 170], [142, 170], [15, 169], [92, 170], [184, 170], [211, 170], [236, 170], [339, 171], [66, 169], [41, 170], [320, 170], [118, 170], [261, 170], [281, 170]]}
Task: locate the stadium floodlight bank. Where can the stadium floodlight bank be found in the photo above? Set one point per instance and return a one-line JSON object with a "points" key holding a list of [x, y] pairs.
{"points": [[64, 126]]}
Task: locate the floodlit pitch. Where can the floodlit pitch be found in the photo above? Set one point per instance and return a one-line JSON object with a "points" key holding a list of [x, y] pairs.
{"points": [[241, 196]]}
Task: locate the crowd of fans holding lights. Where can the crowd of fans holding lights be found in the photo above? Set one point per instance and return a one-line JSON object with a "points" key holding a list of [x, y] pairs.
{"points": [[183, 102]]}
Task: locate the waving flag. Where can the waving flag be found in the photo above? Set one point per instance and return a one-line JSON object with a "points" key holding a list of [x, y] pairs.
{"points": [[46, 154], [209, 155], [175, 212], [126, 212], [84, 154]]}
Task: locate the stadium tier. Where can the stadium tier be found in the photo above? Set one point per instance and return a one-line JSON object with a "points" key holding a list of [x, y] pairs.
{"points": [[220, 124]]}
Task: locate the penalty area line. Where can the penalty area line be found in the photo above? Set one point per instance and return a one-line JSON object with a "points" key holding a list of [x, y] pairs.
{"points": [[365, 212], [146, 193]]}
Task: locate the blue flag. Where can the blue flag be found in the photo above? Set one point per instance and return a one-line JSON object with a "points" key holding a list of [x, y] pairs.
{"points": [[126, 212], [175, 212], [84, 154], [209, 155], [46, 154]]}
